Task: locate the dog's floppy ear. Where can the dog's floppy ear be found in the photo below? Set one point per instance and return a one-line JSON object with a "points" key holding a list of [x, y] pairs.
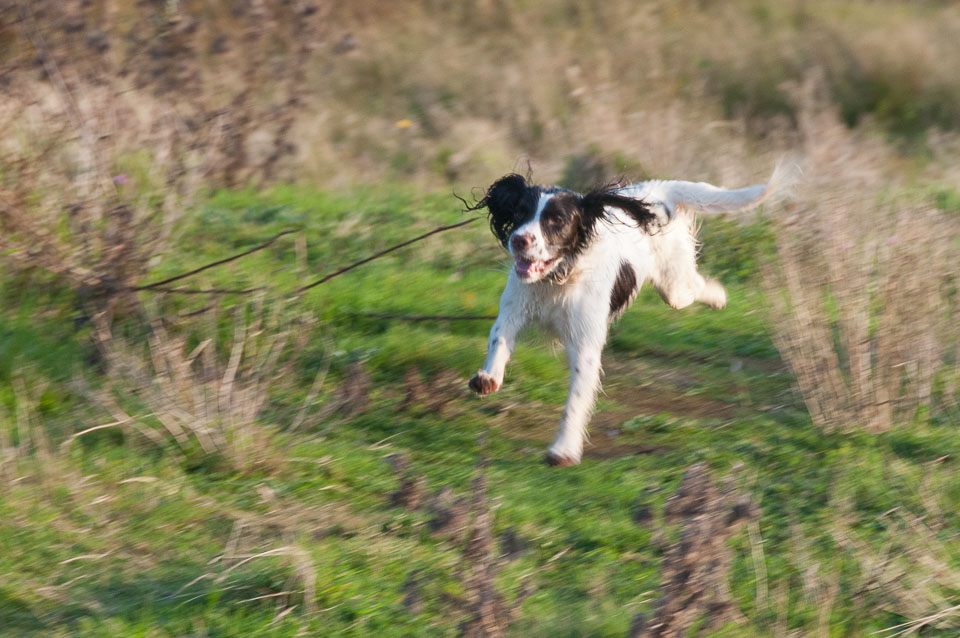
{"points": [[596, 201], [505, 203]]}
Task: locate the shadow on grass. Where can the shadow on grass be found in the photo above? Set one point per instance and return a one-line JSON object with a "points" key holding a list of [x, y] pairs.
{"points": [[169, 602], [17, 616]]}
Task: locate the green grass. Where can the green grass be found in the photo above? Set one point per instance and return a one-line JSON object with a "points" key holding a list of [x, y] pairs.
{"points": [[84, 551]]}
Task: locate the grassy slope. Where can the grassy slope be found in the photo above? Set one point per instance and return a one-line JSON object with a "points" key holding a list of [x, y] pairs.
{"points": [[83, 553]]}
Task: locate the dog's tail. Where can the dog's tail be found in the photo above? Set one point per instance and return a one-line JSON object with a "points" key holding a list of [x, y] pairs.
{"points": [[707, 198]]}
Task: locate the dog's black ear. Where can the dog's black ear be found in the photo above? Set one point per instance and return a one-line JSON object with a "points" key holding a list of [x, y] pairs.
{"points": [[596, 201], [505, 201]]}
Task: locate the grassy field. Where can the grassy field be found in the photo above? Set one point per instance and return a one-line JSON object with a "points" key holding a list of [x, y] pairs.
{"points": [[110, 534], [185, 460]]}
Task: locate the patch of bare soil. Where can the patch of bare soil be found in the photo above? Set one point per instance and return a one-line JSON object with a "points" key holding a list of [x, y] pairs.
{"points": [[635, 392], [754, 364]]}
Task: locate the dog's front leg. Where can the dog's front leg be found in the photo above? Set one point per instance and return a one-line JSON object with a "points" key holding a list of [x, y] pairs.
{"points": [[584, 353], [503, 336]]}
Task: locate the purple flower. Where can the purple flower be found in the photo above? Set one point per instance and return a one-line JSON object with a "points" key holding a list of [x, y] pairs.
{"points": [[120, 179]]}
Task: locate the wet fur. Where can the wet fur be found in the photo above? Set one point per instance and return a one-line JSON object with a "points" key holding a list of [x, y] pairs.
{"points": [[593, 252], [511, 201]]}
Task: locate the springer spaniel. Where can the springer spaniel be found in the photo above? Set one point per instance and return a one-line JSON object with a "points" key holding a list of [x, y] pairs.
{"points": [[579, 261]]}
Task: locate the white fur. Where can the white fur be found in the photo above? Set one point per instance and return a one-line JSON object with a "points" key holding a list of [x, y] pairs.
{"points": [[578, 309]]}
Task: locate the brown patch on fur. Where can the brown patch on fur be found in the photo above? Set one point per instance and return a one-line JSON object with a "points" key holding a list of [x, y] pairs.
{"points": [[624, 289], [560, 221]]}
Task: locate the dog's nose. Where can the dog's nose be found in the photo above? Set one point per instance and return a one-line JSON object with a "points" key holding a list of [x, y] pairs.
{"points": [[521, 242]]}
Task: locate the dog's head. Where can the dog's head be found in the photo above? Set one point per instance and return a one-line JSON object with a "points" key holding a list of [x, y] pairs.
{"points": [[546, 228]]}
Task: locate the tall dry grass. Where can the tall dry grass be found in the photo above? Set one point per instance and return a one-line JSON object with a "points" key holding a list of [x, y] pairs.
{"points": [[25, 446], [111, 125], [864, 288], [316, 89], [189, 390], [119, 114], [912, 573]]}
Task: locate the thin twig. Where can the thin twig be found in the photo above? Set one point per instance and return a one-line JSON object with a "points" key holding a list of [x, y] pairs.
{"points": [[200, 291], [161, 287], [86, 557], [382, 253], [916, 624], [158, 284], [95, 428], [381, 315], [194, 313]]}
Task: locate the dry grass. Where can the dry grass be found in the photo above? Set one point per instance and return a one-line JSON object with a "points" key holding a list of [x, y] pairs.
{"points": [[118, 115], [862, 290], [26, 452], [111, 127], [489, 613], [912, 574], [420, 90], [189, 388]]}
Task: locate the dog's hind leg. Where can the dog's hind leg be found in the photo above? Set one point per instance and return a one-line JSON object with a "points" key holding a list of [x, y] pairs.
{"points": [[712, 294], [681, 292], [675, 275]]}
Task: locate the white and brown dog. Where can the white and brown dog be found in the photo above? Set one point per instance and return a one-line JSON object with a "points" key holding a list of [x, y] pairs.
{"points": [[579, 261]]}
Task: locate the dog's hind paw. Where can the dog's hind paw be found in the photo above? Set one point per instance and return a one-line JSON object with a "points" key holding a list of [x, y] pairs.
{"points": [[713, 294], [483, 384]]}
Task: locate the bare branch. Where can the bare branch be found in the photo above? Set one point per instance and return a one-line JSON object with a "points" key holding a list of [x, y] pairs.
{"points": [[384, 252], [158, 284], [382, 315]]}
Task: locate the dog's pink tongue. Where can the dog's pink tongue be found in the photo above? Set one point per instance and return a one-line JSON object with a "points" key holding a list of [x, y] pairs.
{"points": [[526, 267]]}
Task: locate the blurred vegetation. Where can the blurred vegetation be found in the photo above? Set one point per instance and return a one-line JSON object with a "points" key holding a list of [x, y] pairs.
{"points": [[138, 523], [223, 455], [419, 89]]}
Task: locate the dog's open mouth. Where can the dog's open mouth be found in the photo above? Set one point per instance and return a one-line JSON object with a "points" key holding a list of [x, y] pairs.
{"points": [[533, 268]]}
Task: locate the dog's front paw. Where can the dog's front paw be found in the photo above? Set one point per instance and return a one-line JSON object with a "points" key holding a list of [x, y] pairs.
{"points": [[559, 456], [483, 384], [558, 459]]}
